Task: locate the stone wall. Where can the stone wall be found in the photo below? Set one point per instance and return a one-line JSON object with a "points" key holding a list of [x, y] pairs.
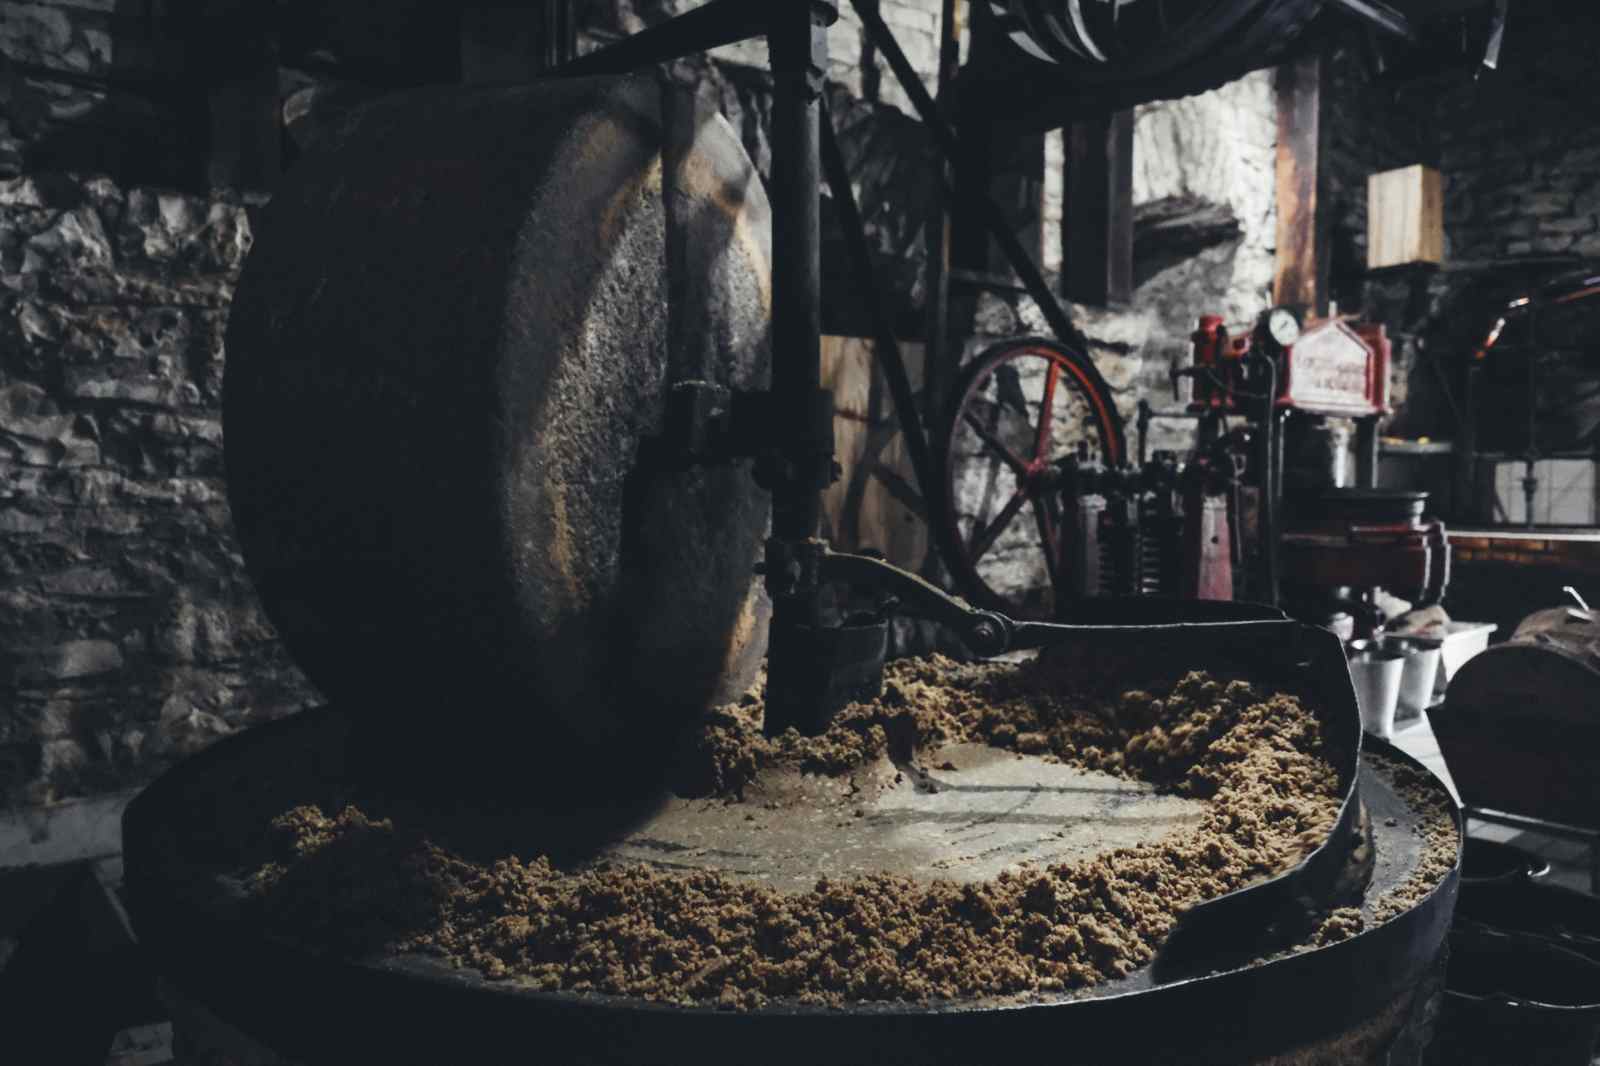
{"points": [[128, 630], [1209, 157], [129, 635], [1519, 151]]}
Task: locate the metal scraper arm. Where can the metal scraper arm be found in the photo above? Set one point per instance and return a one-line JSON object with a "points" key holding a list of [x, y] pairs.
{"points": [[985, 633]]}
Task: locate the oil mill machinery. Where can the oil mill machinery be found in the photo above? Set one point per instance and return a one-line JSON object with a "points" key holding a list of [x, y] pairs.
{"points": [[1030, 457], [1159, 526], [453, 324]]}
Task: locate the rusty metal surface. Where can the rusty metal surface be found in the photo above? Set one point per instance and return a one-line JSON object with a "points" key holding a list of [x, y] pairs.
{"points": [[447, 354]]}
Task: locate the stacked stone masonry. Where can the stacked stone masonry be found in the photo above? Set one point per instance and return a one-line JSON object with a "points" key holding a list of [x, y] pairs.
{"points": [[129, 634], [1519, 151], [129, 631]]}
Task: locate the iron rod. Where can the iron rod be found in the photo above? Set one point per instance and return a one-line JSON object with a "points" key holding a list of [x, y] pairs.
{"points": [[886, 347], [938, 238], [989, 212], [799, 57], [712, 25]]}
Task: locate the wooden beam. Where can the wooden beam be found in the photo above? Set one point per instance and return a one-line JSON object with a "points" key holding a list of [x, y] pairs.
{"points": [[1097, 212], [1297, 279]]}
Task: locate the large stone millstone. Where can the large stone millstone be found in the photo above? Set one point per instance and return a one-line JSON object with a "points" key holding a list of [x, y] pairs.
{"points": [[447, 358]]}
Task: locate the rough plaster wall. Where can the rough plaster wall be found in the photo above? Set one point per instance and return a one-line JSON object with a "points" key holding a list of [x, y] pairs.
{"points": [[1053, 205], [1221, 147]]}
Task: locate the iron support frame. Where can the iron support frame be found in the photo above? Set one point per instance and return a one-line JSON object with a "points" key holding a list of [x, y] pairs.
{"points": [[796, 463]]}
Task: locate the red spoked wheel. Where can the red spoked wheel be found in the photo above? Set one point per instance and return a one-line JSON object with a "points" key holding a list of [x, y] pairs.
{"points": [[1017, 412]]}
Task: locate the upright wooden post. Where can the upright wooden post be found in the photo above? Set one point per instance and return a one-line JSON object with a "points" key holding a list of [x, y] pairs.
{"points": [[1297, 279], [1097, 212]]}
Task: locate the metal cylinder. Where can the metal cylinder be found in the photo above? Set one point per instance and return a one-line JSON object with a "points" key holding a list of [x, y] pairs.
{"points": [[1377, 675], [799, 58]]}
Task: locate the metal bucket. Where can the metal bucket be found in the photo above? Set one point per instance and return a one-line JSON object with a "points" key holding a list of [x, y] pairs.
{"points": [[1376, 674], [1492, 862], [1514, 998], [1421, 672], [1562, 916]]}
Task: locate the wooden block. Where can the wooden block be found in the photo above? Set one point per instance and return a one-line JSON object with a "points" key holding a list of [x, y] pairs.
{"points": [[1405, 217]]}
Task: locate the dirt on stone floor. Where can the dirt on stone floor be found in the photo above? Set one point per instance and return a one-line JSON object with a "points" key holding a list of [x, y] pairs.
{"points": [[349, 881]]}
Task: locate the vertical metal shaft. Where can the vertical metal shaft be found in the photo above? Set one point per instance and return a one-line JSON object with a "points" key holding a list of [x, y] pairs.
{"points": [[801, 465], [1268, 514], [939, 235], [799, 46]]}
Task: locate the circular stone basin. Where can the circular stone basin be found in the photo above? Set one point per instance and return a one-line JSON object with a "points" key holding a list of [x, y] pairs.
{"points": [[964, 813]]}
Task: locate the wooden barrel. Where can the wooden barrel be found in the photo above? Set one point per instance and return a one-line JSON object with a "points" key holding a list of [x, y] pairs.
{"points": [[1519, 726], [447, 363]]}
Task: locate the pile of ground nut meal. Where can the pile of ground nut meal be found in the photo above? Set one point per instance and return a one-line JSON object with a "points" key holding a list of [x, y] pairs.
{"points": [[352, 882]]}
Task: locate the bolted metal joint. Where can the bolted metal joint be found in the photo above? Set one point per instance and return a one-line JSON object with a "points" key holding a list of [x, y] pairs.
{"points": [[988, 633]]}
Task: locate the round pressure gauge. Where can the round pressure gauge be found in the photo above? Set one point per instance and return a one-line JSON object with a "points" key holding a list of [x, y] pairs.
{"points": [[1282, 326]]}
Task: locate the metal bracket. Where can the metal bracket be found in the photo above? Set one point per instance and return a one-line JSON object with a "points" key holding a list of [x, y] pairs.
{"points": [[707, 424]]}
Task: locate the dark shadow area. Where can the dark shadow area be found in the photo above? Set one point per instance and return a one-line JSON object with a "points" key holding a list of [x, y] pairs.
{"points": [[186, 94]]}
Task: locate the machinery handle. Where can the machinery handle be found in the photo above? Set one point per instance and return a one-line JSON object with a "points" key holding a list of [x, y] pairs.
{"points": [[989, 633], [985, 632]]}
